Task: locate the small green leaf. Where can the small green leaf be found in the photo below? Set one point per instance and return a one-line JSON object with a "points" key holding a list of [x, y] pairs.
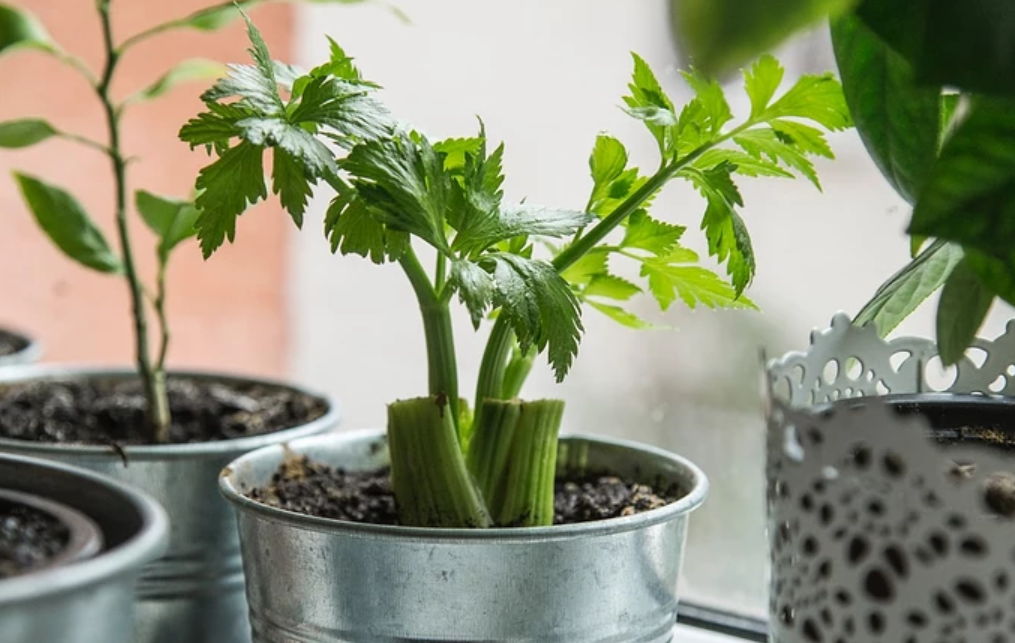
{"points": [[20, 28], [171, 220], [673, 276], [61, 216], [25, 132], [228, 186], [193, 69], [963, 306], [649, 103], [818, 98], [474, 286], [740, 162], [351, 229], [216, 17], [608, 161], [761, 82], [897, 119], [996, 275], [588, 266], [715, 111], [970, 194], [904, 291], [765, 144], [610, 287], [645, 233], [541, 307], [622, 316], [720, 35]]}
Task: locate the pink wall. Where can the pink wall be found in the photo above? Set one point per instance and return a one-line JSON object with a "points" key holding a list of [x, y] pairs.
{"points": [[225, 314]]}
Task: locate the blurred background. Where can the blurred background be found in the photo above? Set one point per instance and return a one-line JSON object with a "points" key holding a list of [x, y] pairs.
{"points": [[546, 76]]}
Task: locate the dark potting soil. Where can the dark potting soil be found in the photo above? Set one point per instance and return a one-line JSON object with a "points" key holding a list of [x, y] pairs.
{"points": [[303, 486], [28, 538], [112, 411], [10, 343]]}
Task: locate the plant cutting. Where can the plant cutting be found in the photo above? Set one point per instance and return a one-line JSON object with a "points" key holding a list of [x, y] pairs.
{"points": [[449, 473], [167, 435]]}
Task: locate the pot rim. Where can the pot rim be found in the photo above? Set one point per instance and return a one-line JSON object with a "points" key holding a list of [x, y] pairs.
{"points": [[144, 546], [85, 539], [690, 501], [30, 353], [148, 452]]}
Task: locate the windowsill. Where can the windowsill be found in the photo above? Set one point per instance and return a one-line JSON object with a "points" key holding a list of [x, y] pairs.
{"points": [[688, 634]]}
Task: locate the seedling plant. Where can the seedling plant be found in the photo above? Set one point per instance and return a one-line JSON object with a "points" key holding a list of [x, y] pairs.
{"points": [[529, 268]]}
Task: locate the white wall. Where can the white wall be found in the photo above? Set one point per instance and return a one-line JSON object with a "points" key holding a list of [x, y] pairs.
{"points": [[546, 76]]}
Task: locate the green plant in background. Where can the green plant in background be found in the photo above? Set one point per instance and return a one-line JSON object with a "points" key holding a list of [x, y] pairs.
{"points": [[63, 218], [531, 267], [931, 87]]}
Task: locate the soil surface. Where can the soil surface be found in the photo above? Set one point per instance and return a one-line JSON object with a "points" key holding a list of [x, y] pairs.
{"points": [[10, 344], [108, 411], [28, 538], [303, 486]]}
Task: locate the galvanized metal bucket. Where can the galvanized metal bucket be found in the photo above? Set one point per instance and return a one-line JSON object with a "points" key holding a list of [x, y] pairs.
{"points": [[29, 353], [90, 601], [314, 580], [194, 593]]}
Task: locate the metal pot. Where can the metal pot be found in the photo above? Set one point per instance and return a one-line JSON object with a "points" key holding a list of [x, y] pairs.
{"points": [[29, 352], [194, 593], [88, 601], [84, 536], [316, 580]]}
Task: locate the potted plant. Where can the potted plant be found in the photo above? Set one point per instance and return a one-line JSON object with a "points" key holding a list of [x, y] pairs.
{"points": [[166, 434], [478, 523], [857, 427], [17, 348], [72, 545]]}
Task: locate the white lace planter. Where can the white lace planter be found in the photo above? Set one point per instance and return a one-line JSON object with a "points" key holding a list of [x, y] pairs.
{"points": [[886, 526]]}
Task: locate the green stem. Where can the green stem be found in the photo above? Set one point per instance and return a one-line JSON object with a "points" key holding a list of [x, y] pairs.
{"points": [[432, 485], [153, 380], [160, 309], [442, 366], [513, 456]]}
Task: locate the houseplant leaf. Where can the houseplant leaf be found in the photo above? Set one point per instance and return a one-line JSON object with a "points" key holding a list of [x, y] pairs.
{"points": [[904, 291], [25, 132], [62, 218], [19, 28], [964, 304], [897, 119], [192, 69], [171, 220], [970, 195]]}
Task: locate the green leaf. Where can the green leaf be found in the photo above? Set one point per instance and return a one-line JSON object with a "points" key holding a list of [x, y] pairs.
{"points": [[818, 98], [227, 186], [610, 287], [970, 195], [761, 82], [513, 220], [539, 304], [765, 144], [805, 138], [649, 103], [740, 162], [645, 233], [588, 266], [474, 286], [715, 111], [720, 35], [352, 229], [21, 29], [193, 69], [67, 224], [292, 183], [404, 185], [673, 276], [963, 306], [614, 193], [904, 291], [607, 163], [996, 275], [897, 119], [622, 316], [171, 220], [25, 132], [454, 150]]}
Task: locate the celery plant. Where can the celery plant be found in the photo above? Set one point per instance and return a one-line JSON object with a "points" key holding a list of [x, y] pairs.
{"points": [[533, 266], [64, 219]]}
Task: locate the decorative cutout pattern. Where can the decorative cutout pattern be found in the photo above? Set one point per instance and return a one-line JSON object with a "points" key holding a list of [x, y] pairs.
{"points": [[873, 538]]}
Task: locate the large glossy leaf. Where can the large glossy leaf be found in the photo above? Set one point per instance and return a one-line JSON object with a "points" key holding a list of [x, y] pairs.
{"points": [[18, 28], [720, 35], [171, 220], [904, 291], [25, 132], [970, 196], [68, 225], [964, 304], [897, 120]]}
